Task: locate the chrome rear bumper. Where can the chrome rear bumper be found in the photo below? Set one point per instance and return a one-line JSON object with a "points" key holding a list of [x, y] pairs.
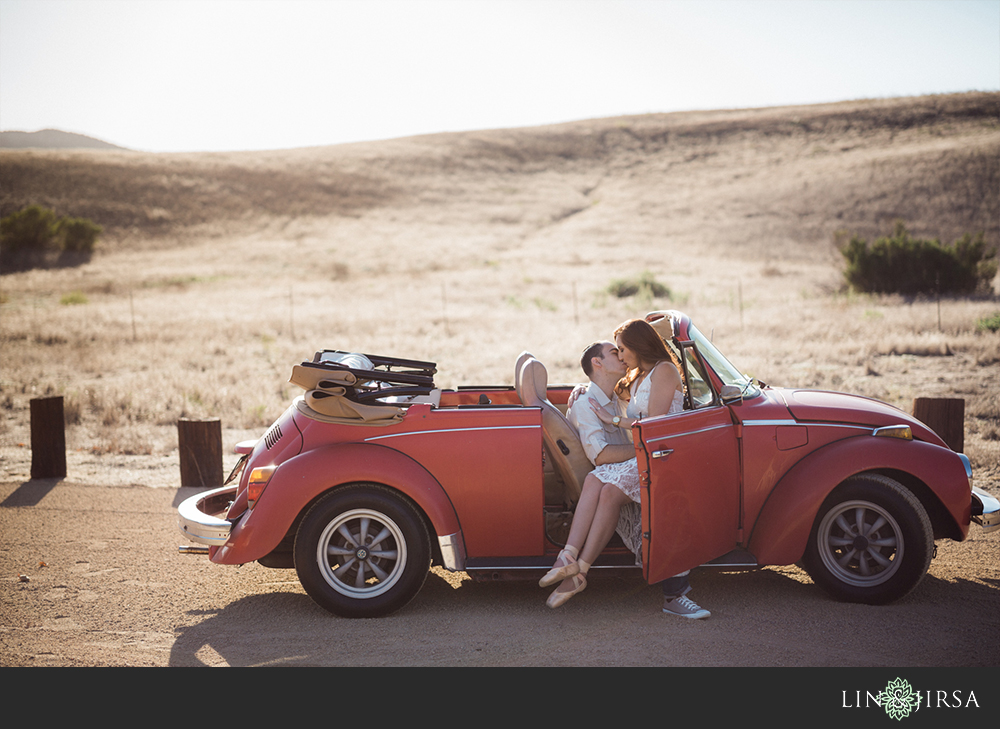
{"points": [[200, 517]]}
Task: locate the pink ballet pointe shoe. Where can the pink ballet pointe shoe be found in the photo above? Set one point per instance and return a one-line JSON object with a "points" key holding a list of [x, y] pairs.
{"points": [[568, 568], [557, 598]]}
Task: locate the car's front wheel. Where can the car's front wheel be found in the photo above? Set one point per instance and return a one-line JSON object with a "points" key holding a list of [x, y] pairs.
{"points": [[362, 551], [872, 541]]}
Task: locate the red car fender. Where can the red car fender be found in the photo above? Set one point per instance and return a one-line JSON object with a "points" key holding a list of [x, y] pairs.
{"points": [[299, 480], [782, 529]]}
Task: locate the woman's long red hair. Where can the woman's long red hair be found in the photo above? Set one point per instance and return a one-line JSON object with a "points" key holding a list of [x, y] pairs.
{"points": [[640, 337]]}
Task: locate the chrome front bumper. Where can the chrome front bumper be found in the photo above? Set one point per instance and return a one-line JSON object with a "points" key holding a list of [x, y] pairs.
{"points": [[199, 517], [985, 510]]}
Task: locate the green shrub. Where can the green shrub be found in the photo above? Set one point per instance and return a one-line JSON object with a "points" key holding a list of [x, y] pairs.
{"points": [[78, 235], [904, 265], [645, 286], [989, 324], [34, 236], [73, 298], [26, 236]]}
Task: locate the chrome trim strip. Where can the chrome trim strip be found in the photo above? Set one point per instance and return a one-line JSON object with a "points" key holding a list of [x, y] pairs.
{"points": [[805, 423], [452, 552], [865, 428], [688, 432], [453, 430]]}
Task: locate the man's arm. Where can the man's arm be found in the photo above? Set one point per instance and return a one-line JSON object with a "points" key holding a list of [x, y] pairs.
{"points": [[593, 436], [588, 427], [615, 451], [615, 454]]}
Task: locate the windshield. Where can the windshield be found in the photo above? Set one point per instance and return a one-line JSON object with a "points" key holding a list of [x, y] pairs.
{"points": [[723, 368]]}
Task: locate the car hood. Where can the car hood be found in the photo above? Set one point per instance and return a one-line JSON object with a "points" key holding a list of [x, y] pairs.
{"points": [[838, 407]]}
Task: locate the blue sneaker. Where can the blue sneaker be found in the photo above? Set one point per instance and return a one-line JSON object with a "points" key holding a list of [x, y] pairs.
{"points": [[685, 607]]}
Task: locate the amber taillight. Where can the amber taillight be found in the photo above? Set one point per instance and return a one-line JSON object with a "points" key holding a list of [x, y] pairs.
{"points": [[257, 483]]}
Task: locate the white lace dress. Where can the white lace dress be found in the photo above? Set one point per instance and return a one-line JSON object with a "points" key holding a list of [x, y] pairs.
{"points": [[625, 475]]}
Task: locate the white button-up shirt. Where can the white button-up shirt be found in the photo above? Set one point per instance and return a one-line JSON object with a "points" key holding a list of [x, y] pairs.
{"points": [[594, 433]]}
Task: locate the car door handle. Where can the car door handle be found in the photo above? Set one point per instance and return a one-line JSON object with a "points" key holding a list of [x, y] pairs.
{"points": [[662, 454]]}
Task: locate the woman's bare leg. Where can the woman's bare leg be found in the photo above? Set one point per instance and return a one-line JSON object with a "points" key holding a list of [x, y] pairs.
{"points": [[583, 516], [586, 507], [609, 506], [610, 500]]}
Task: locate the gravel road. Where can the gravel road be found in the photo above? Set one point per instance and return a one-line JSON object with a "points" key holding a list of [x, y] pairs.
{"points": [[91, 577]]}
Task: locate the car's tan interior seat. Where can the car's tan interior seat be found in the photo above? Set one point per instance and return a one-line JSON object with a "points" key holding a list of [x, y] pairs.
{"points": [[562, 444]]}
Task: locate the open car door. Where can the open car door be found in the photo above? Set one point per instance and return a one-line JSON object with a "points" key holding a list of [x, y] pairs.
{"points": [[689, 466]]}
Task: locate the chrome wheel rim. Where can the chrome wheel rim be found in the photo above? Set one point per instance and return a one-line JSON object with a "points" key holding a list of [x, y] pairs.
{"points": [[361, 553], [860, 543]]}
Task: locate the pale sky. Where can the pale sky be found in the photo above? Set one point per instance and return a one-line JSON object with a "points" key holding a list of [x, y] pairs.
{"points": [[220, 75]]}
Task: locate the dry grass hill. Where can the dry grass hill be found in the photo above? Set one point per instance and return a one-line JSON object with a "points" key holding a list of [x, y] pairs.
{"points": [[218, 272], [858, 165]]}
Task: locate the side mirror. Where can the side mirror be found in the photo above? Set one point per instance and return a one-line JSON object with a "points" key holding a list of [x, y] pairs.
{"points": [[731, 395]]}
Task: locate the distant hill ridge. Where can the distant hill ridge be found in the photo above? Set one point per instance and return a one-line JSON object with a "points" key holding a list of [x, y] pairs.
{"points": [[795, 174], [52, 139]]}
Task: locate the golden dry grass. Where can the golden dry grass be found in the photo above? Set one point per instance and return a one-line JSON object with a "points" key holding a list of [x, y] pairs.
{"points": [[220, 271]]}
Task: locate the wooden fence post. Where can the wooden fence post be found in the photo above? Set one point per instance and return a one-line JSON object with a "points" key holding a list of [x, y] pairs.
{"points": [[945, 416], [48, 438], [200, 445]]}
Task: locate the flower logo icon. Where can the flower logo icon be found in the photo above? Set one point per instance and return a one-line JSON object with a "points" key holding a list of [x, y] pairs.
{"points": [[898, 699]]}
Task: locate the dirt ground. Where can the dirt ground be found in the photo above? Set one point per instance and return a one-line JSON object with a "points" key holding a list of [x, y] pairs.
{"points": [[91, 576]]}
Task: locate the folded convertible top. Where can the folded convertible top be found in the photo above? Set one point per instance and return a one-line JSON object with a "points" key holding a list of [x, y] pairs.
{"points": [[364, 378]]}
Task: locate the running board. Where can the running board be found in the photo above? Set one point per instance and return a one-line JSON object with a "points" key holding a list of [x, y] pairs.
{"points": [[495, 568], [542, 563]]}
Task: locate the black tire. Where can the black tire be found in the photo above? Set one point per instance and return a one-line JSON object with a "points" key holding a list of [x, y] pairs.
{"points": [[872, 541], [362, 551]]}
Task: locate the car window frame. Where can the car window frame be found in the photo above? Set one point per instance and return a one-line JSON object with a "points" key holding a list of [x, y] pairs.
{"points": [[689, 355], [719, 365]]}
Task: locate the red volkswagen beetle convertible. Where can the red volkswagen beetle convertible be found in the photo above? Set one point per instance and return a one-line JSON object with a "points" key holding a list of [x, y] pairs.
{"points": [[374, 474]]}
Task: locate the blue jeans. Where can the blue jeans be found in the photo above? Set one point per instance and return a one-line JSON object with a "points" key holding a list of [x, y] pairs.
{"points": [[677, 585]]}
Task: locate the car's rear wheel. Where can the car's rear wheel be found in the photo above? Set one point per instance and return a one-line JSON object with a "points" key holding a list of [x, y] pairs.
{"points": [[872, 541], [362, 551]]}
